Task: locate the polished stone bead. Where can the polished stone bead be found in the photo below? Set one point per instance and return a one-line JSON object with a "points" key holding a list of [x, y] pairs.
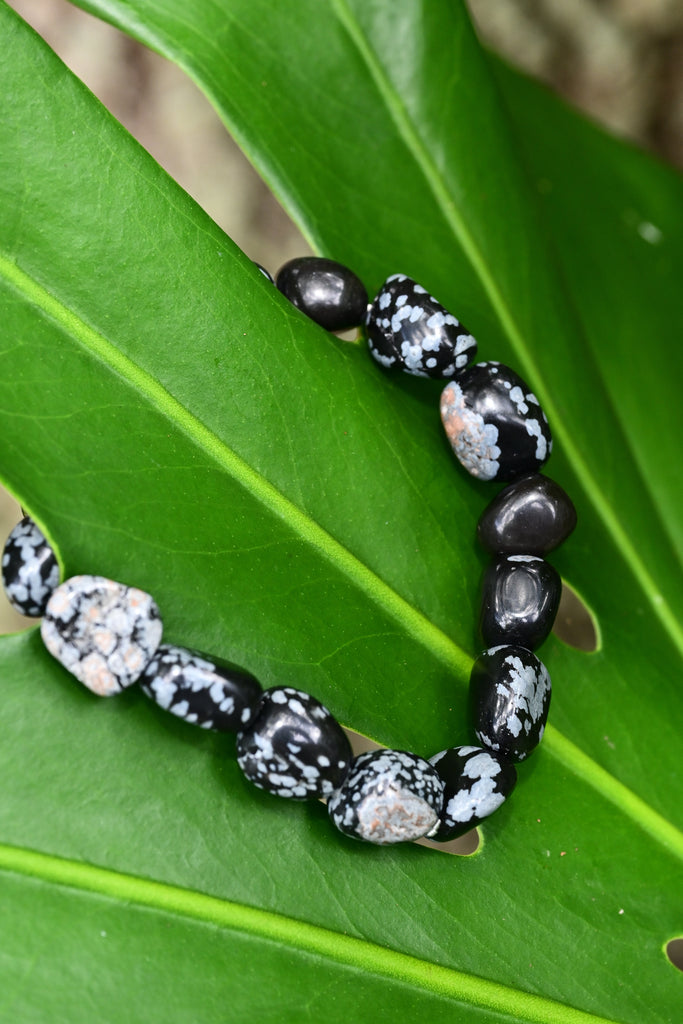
{"points": [[29, 569], [476, 783], [103, 632], [389, 796], [326, 291], [519, 602], [494, 423], [293, 747], [408, 329], [509, 700], [533, 515], [201, 689]]}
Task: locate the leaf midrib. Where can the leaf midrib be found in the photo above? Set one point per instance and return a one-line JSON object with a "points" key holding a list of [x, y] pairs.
{"points": [[344, 950], [439, 189], [415, 624]]}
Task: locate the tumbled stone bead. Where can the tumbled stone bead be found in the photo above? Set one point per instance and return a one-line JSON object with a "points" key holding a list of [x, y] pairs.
{"points": [[293, 747], [494, 423], [476, 783], [533, 515], [408, 329], [509, 700], [519, 602], [203, 690], [389, 796], [326, 291], [29, 569], [103, 632]]}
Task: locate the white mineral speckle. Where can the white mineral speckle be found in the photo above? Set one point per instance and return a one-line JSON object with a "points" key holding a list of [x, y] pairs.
{"points": [[164, 691], [529, 688], [385, 361], [473, 440], [481, 766], [479, 801], [533, 428], [517, 396], [514, 725]]}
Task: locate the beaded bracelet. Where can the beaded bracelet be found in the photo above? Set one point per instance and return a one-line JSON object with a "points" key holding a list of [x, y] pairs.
{"points": [[109, 635]]}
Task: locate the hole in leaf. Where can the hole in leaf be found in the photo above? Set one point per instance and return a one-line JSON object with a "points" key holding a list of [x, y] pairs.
{"points": [[463, 846], [674, 952], [575, 623], [352, 335]]}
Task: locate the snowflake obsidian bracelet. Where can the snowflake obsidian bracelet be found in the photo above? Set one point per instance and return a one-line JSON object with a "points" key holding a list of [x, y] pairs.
{"points": [[109, 635]]}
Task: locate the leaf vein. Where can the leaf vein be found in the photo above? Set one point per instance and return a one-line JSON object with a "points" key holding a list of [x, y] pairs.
{"points": [[346, 950]]}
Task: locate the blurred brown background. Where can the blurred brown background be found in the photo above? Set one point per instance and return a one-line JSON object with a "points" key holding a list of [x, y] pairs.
{"points": [[620, 60]]}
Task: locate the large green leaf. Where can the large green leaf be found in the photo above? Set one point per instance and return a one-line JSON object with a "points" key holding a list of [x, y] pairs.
{"points": [[175, 425]]}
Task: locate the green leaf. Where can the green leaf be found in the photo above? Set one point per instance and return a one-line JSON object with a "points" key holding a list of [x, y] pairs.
{"points": [[174, 424]]}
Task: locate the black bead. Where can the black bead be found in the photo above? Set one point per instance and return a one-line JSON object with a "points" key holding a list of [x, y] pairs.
{"points": [[494, 423], [326, 291], [201, 689], [408, 329], [520, 597], [476, 783], [293, 747], [533, 515], [29, 569], [509, 700], [388, 796]]}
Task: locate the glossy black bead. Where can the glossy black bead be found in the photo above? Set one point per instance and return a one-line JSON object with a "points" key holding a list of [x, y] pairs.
{"points": [[203, 690], [326, 291], [519, 601], [29, 569], [533, 515], [509, 700], [293, 747], [389, 796], [494, 423], [408, 329], [476, 783]]}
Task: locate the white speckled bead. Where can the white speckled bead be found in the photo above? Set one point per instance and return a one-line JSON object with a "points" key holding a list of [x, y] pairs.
{"points": [[389, 796], [103, 632], [293, 747], [509, 700], [29, 569], [408, 329], [476, 783], [494, 423], [203, 690]]}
